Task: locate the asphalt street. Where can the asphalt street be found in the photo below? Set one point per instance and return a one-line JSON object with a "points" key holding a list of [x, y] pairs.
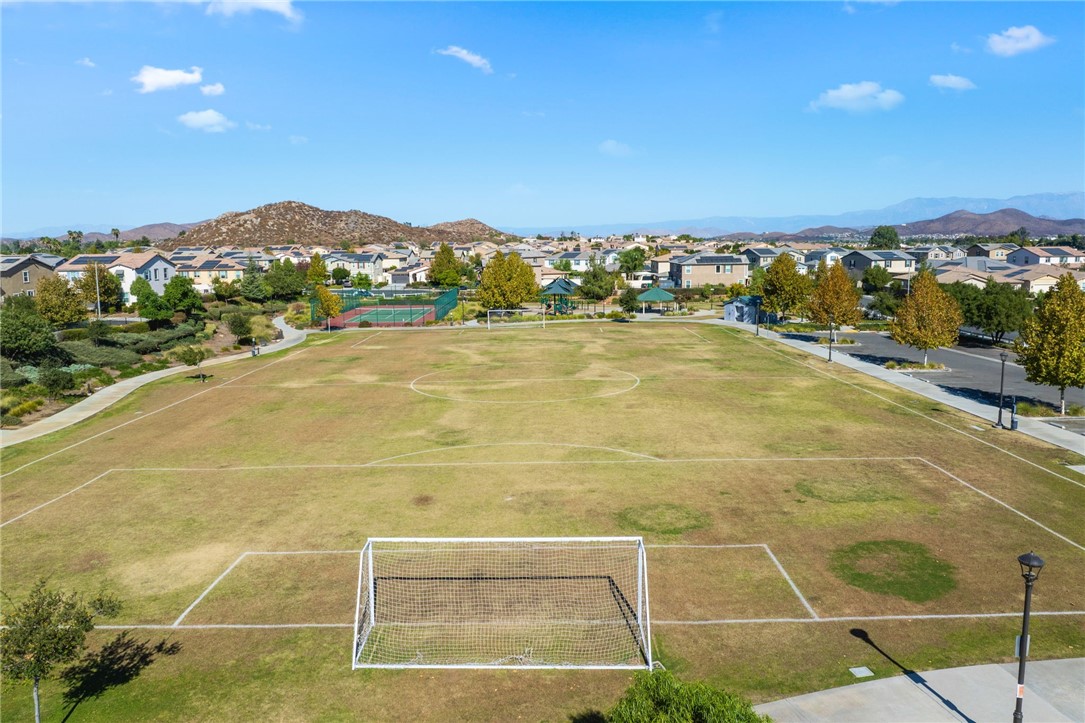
{"points": [[974, 369]]}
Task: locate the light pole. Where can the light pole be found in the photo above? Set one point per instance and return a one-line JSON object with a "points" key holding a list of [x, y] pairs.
{"points": [[1031, 564], [831, 323], [1001, 387], [757, 315]]}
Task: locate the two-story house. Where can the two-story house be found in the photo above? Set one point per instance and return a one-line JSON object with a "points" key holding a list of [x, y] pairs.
{"points": [[203, 270], [708, 267], [154, 268], [19, 275], [895, 262], [992, 251], [371, 264], [1050, 255]]}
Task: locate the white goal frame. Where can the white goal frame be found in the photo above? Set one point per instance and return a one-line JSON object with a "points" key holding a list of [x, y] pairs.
{"points": [[629, 621], [491, 313]]}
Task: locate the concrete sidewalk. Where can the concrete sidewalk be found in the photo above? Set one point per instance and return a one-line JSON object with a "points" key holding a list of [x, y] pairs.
{"points": [[1039, 430], [1054, 693], [108, 396]]}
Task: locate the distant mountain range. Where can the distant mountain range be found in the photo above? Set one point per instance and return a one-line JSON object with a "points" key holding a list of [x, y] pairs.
{"points": [[1042, 205]]}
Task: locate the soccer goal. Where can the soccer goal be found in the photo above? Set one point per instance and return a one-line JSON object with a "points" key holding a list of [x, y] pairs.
{"points": [[521, 317], [541, 602]]}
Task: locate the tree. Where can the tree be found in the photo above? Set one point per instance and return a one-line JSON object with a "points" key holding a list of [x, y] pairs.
{"points": [[98, 283], [193, 356], [362, 281], [444, 270], [339, 274], [180, 295], [876, 278], [58, 302], [327, 304], [284, 281], [835, 299], [116, 234], [968, 298], [507, 282], [596, 283], [240, 325], [660, 697], [318, 271], [884, 237], [97, 330], [252, 286], [149, 303], [1001, 308], [24, 335], [1051, 346], [224, 290], [628, 300], [757, 281], [632, 260], [563, 265], [47, 629], [786, 290], [928, 317]]}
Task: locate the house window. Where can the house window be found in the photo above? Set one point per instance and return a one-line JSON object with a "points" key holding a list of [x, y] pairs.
{"points": [[689, 283], [156, 274], [688, 269], [26, 277], [717, 268], [222, 274], [727, 268], [29, 292], [165, 274], [147, 275]]}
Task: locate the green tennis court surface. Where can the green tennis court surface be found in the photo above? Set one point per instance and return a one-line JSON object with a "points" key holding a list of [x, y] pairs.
{"points": [[376, 316]]}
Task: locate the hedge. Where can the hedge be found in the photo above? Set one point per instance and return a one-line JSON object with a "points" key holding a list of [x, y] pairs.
{"points": [[84, 352]]}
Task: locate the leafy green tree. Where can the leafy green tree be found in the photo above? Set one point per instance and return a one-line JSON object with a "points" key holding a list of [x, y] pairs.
{"points": [[339, 275], [24, 335], [1001, 309], [225, 290], [659, 697], [253, 287], [444, 270], [48, 629], [328, 304], [507, 282], [362, 281], [284, 281], [876, 278], [596, 284], [108, 288], [786, 290], [58, 302], [563, 265], [149, 303], [631, 260], [884, 237], [968, 298], [835, 298], [240, 325], [193, 356], [318, 271], [628, 300], [1051, 346], [928, 317], [757, 282], [180, 295]]}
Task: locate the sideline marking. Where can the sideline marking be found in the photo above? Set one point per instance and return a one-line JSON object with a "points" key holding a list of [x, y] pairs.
{"points": [[691, 331], [636, 383], [45, 504], [209, 588], [363, 341]]}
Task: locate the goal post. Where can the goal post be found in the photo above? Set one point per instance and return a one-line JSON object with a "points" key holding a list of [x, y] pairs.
{"points": [[519, 317], [524, 602]]}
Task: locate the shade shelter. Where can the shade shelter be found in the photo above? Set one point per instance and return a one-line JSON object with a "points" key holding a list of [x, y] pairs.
{"points": [[557, 294], [654, 294]]}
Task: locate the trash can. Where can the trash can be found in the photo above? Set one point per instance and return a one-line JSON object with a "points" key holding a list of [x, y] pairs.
{"points": [[1013, 424]]}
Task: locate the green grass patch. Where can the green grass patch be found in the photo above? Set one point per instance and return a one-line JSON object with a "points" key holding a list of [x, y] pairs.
{"points": [[894, 567], [665, 518], [840, 490]]}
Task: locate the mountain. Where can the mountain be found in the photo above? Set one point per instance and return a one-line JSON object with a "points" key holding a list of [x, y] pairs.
{"points": [[289, 222], [154, 231], [998, 223], [1050, 205]]}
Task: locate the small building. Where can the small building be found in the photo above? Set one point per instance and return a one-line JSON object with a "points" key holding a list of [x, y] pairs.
{"points": [[19, 275], [743, 309]]}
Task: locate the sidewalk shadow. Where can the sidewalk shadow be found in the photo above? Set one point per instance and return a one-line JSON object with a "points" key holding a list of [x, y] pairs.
{"points": [[119, 661], [911, 674]]}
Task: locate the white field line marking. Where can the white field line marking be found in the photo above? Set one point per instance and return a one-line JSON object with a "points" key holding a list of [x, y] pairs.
{"points": [[791, 582], [209, 588], [1000, 502], [303, 552], [691, 331], [719, 378], [363, 341], [513, 444], [148, 414], [742, 337], [229, 626], [45, 504]]}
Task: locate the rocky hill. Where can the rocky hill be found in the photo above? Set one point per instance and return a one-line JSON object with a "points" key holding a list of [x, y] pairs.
{"points": [[290, 222], [999, 223], [154, 231]]}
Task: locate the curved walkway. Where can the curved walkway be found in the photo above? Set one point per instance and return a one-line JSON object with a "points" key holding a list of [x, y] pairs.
{"points": [[108, 396], [1054, 693]]}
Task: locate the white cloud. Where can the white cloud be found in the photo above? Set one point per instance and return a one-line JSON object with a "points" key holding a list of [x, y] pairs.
{"points": [[858, 98], [86, 63], [208, 121], [952, 82], [234, 7], [614, 148], [1017, 40], [152, 79], [257, 126], [959, 48], [473, 59], [213, 89], [298, 140]]}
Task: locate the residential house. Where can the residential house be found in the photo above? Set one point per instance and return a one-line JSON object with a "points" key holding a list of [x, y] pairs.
{"points": [[1037, 279], [19, 275], [708, 267], [935, 253], [1049, 255], [413, 274], [895, 262], [156, 269], [203, 270], [991, 251], [371, 264]]}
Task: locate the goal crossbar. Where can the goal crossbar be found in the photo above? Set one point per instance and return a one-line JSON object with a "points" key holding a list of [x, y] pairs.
{"points": [[532, 602]]}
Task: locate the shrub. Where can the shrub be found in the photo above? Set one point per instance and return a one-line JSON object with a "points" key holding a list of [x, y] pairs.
{"points": [[28, 373], [659, 697], [54, 379], [21, 410], [364, 324], [83, 352], [7, 401], [73, 334], [10, 378], [8, 420], [617, 314], [145, 367], [136, 327], [91, 374]]}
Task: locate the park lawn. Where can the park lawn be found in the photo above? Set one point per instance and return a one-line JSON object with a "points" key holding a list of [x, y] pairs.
{"points": [[684, 433]]}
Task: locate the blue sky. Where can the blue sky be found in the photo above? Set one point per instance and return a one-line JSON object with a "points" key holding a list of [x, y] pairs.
{"points": [[524, 114]]}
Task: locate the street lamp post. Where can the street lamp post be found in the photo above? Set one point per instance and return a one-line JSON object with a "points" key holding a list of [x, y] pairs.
{"points": [[832, 321], [1031, 564], [757, 315], [1001, 387]]}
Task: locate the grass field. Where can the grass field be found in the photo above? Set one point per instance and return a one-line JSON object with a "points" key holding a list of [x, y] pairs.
{"points": [[785, 504]]}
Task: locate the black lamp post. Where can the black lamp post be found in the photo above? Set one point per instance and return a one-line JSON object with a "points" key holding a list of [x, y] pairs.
{"points": [[1031, 564], [1001, 387], [832, 320], [757, 315]]}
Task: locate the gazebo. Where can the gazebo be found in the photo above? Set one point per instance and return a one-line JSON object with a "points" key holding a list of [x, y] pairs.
{"points": [[557, 294], [652, 295]]}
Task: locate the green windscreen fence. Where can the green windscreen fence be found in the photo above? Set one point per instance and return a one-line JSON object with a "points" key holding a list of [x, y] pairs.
{"points": [[400, 309]]}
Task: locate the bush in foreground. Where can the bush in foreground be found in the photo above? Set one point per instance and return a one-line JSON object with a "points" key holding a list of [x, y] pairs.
{"points": [[659, 697]]}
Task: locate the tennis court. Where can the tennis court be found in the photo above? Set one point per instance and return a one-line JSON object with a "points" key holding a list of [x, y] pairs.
{"points": [[393, 315]]}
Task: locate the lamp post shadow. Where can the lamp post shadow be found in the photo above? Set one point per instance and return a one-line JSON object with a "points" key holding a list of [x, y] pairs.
{"points": [[911, 674]]}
